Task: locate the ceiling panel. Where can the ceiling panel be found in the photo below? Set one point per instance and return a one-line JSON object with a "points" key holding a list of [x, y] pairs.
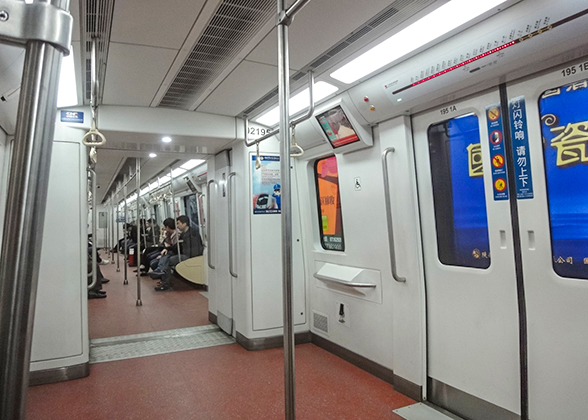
{"points": [[134, 73], [151, 22], [141, 144], [316, 28], [244, 86]]}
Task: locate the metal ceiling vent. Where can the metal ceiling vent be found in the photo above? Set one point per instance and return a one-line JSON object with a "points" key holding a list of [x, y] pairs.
{"points": [[95, 22], [392, 16], [230, 28]]}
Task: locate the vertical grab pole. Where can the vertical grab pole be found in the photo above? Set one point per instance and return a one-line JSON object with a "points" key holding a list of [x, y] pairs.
{"points": [[284, 96], [24, 219], [126, 281], [209, 224], [138, 250], [94, 230], [171, 187], [106, 226], [112, 229], [230, 194], [117, 234]]}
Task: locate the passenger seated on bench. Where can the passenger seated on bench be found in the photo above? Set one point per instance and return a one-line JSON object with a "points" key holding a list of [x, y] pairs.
{"points": [[152, 256], [95, 292], [190, 246]]}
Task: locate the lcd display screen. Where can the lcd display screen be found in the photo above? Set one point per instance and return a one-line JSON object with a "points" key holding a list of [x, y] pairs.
{"points": [[337, 127], [564, 126]]}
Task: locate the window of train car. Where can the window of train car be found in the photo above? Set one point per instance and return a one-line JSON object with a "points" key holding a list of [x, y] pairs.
{"points": [[458, 192], [564, 126], [329, 204]]}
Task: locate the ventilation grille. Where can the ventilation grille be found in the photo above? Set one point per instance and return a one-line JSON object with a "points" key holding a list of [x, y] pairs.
{"points": [[232, 26], [96, 22], [395, 14], [320, 322]]}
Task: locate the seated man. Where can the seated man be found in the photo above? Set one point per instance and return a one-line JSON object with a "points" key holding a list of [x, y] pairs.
{"points": [[190, 246], [152, 256]]}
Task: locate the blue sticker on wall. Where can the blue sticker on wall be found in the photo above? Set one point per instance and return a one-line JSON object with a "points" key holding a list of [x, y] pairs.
{"points": [[497, 156], [72, 117], [520, 147]]}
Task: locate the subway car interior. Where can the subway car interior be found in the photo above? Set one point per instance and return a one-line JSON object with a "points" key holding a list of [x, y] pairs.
{"points": [[314, 209]]}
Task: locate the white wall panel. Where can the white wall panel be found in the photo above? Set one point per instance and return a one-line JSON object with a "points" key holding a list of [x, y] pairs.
{"points": [[60, 326], [368, 329]]}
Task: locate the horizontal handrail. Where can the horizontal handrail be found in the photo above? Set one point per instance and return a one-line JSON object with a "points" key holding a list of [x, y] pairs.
{"points": [[330, 279]]}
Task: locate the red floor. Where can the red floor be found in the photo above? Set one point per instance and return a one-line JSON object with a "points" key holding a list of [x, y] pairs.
{"points": [[118, 314], [224, 382]]}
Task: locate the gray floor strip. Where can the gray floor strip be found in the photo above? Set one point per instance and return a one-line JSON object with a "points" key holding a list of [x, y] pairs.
{"points": [[422, 411], [151, 344]]}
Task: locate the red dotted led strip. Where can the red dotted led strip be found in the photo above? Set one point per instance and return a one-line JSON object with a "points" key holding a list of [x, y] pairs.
{"points": [[494, 50]]}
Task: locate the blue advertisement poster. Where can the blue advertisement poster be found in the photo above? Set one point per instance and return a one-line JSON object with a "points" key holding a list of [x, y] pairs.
{"points": [[564, 127], [469, 202], [265, 185], [497, 156], [520, 147]]}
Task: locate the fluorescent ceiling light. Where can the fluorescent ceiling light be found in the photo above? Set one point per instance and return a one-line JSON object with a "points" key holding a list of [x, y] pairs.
{"points": [[177, 172], [152, 155], [298, 103], [166, 139], [67, 94], [191, 164], [153, 186], [145, 191], [436, 24], [164, 180]]}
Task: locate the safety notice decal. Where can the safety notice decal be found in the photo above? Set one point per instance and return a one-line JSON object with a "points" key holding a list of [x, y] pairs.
{"points": [[496, 143], [520, 146]]}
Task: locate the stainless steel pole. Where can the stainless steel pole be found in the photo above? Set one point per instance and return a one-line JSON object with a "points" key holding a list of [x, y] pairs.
{"points": [[117, 235], [171, 187], [106, 234], [112, 229], [139, 227], [126, 281], [209, 223], [284, 96], [24, 220], [94, 231]]}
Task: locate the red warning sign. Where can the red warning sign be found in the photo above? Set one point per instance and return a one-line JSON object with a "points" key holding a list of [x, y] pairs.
{"points": [[500, 185], [498, 161], [496, 137]]}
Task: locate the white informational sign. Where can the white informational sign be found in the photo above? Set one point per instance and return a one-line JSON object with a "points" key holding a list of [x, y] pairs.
{"points": [[266, 185]]}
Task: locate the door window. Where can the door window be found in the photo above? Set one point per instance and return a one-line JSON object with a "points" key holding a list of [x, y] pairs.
{"points": [[564, 126], [458, 192]]}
